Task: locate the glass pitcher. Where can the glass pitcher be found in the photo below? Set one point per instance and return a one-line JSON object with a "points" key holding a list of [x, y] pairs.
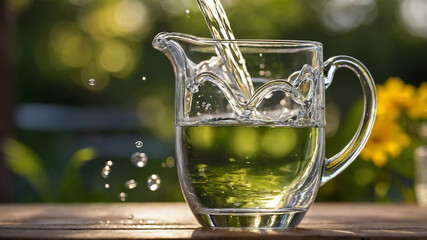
{"points": [[255, 159]]}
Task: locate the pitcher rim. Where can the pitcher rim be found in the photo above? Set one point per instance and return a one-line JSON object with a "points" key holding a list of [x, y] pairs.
{"points": [[296, 44]]}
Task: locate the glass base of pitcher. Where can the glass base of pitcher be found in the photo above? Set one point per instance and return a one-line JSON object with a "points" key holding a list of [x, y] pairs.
{"points": [[233, 218]]}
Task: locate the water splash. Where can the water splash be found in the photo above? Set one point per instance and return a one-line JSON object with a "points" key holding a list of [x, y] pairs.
{"points": [[299, 87]]}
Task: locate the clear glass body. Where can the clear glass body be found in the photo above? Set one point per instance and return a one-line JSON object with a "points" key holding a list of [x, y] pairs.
{"points": [[421, 175], [254, 158]]}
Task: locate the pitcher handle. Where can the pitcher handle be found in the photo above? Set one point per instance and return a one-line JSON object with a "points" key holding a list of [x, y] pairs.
{"points": [[337, 163]]}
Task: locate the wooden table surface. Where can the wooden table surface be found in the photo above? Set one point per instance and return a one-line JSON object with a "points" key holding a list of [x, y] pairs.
{"points": [[175, 221]]}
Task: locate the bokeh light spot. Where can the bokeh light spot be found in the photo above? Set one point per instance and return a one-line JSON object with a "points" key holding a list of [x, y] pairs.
{"points": [[114, 56]]}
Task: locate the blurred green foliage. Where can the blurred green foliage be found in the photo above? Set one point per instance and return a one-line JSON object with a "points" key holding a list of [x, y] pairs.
{"points": [[58, 45]]}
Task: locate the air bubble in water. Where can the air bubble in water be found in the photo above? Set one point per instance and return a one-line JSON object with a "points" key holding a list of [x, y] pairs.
{"points": [[138, 144], [262, 66], [131, 184], [109, 163], [107, 185], [144, 78], [92, 82], [187, 13], [130, 216], [260, 54], [153, 182], [123, 196], [139, 159]]}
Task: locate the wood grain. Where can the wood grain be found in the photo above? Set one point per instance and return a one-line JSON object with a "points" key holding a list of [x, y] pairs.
{"points": [[175, 221]]}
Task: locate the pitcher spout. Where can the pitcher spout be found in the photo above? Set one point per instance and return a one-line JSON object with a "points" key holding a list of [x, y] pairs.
{"points": [[170, 45]]}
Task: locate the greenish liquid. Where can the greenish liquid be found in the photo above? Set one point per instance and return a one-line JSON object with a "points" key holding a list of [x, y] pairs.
{"points": [[248, 167]]}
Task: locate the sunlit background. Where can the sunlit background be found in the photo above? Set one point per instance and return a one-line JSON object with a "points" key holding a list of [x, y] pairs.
{"points": [[59, 131]]}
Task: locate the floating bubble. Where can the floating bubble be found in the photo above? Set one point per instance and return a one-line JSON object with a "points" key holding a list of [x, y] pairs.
{"points": [[107, 185], [131, 184], [123, 196], [170, 162], [92, 82], [109, 163], [187, 13], [130, 216], [262, 66], [138, 144], [163, 165], [144, 78], [260, 54], [139, 159], [153, 182]]}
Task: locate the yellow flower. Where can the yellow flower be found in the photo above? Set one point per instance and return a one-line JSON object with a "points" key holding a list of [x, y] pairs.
{"points": [[418, 110], [394, 98], [387, 140]]}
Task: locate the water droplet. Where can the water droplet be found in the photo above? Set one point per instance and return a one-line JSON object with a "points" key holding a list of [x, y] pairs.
{"points": [[109, 163], [170, 162], [187, 13], [131, 184], [139, 159], [92, 82], [130, 216], [138, 144], [153, 182], [260, 54], [123, 196], [105, 171], [144, 78], [262, 66], [107, 185], [163, 165]]}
